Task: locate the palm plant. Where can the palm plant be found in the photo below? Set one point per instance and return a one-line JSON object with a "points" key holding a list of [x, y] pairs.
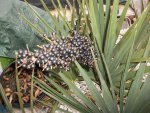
{"points": [[118, 67]]}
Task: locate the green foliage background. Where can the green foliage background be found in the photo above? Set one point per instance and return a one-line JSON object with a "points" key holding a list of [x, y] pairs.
{"points": [[16, 33], [115, 68]]}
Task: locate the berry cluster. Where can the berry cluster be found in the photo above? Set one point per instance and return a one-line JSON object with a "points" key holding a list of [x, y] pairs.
{"points": [[83, 45], [58, 53]]}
